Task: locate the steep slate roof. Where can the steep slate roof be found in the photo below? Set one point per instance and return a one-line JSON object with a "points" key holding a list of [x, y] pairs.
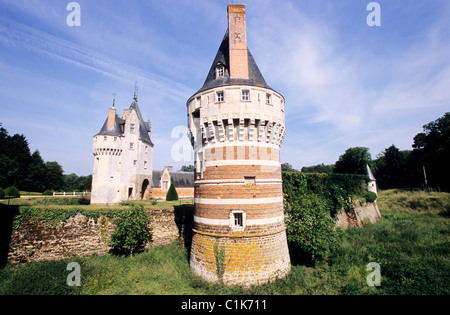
{"points": [[116, 130], [143, 126], [223, 57], [178, 179]]}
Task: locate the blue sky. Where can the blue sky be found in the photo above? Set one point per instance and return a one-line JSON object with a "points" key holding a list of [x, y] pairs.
{"points": [[346, 84]]}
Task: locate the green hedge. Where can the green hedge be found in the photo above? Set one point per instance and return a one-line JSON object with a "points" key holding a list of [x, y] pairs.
{"points": [[172, 194], [311, 201], [12, 192], [335, 189]]}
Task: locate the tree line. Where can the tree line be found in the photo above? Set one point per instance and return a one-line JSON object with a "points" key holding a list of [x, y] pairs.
{"points": [[28, 172], [425, 166]]}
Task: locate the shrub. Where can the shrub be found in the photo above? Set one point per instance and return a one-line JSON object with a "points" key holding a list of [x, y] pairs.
{"points": [[370, 196], [310, 229], [2, 194], [172, 194], [132, 231], [48, 192], [12, 192]]}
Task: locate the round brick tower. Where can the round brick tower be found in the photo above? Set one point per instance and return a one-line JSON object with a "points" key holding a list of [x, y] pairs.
{"points": [[236, 123]]}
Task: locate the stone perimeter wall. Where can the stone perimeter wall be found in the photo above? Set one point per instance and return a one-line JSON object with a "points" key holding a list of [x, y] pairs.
{"points": [[359, 216], [82, 236]]}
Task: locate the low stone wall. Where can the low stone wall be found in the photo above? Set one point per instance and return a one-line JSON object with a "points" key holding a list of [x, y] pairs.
{"points": [[82, 236], [359, 216]]}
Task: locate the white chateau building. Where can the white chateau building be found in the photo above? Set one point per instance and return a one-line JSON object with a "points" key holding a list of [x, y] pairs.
{"points": [[123, 158]]}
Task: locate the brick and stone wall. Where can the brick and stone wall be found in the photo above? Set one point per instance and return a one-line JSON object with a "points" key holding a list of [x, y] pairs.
{"points": [[81, 236]]}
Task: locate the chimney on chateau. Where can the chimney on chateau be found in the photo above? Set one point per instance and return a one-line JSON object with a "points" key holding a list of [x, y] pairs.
{"points": [[238, 41], [111, 118]]}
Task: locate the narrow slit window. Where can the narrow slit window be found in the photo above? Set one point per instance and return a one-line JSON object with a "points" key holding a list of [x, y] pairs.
{"points": [[238, 219]]}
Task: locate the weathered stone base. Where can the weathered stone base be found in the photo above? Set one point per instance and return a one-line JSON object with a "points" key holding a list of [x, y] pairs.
{"points": [[248, 260], [359, 216]]}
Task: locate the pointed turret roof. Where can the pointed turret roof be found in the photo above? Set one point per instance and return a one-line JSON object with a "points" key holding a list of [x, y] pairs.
{"points": [[255, 77], [369, 173], [144, 127]]}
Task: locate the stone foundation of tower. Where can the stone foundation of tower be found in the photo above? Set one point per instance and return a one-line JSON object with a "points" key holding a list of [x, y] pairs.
{"points": [[247, 261]]}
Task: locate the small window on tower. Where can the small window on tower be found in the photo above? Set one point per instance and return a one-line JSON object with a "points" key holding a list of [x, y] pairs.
{"points": [[268, 99], [131, 146], [250, 180], [132, 128], [237, 220], [246, 95], [220, 97]]}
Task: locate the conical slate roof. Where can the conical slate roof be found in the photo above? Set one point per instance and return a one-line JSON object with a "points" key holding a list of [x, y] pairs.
{"points": [[116, 130], [144, 128], [369, 173], [223, 57]]}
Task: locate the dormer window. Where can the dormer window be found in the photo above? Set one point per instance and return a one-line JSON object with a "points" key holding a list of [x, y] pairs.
{"points": [[220, 71]]}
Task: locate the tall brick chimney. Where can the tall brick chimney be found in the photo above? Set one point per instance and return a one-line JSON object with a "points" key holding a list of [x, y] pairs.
{"points": [[238, 41], [111, 118]]}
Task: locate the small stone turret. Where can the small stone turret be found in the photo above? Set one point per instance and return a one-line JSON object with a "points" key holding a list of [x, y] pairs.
{"points": [[123, 158]]}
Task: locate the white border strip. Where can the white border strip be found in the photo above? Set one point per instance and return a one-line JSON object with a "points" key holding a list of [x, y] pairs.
{"points": [[242, 182], [226, 222], [253, 201], [245, 143], [243, 162]]}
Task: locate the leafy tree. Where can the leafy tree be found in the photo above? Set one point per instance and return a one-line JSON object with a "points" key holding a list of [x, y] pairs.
{"points": [[172, 194], [55, 176], [187, 168], [354, 161], [132, 230], [286, 167], [432, 149], [320, 168], [12, 192], [310, 229], [2, 193], [391, 168], [36, 175]]}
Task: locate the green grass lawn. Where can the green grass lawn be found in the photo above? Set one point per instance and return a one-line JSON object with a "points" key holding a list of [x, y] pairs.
{"points": [[411, 245]]}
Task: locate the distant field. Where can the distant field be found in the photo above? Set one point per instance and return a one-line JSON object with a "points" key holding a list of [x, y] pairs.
{"points": [[411, 245]]}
